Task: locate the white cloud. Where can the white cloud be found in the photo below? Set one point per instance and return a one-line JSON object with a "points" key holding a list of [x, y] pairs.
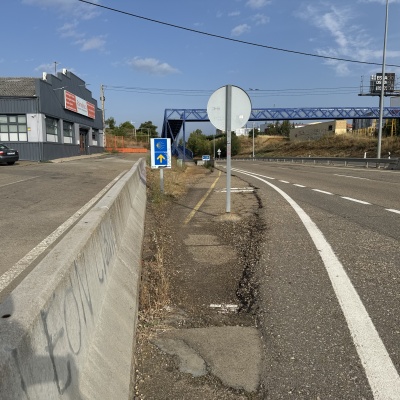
{"points": [[78, 10], [257, 3], [70, 29], [234, 14], [349, 40], [93, 43], [260, 19], [240, 30], [152, 66]]}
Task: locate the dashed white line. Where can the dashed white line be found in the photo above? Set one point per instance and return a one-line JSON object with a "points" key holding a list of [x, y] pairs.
{"points": [[23, 263], [350, 176], [322, 191], [298, 185], [379, 368], [284, 181], [355, 200], [393, 210], [22, 180]]}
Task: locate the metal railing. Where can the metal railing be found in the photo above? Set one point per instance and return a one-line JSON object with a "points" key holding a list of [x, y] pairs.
{"points": [[388, 163]]}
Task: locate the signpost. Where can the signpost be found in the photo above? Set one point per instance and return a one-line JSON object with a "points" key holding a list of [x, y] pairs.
{"points": [[228, 109], [160, 156]]}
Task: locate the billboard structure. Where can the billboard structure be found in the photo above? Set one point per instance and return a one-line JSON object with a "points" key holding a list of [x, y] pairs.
{"points": [[375, 85]]}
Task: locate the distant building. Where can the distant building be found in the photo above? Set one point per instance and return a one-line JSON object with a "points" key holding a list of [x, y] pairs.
{"points": [[317, 130], [49, 117]]}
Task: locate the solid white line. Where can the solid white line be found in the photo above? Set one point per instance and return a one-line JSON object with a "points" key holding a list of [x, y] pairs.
{"points": [[322, 191], [298, 185], [24, 262], [355, 200], [393, 211], [380, 371], [22, 180]]}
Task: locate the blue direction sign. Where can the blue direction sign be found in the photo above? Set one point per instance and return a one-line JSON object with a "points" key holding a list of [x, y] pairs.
{"points": [[160, 153], [206, 158]]}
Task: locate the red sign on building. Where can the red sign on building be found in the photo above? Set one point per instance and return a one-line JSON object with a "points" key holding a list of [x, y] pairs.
{"points": [[78, 105]]}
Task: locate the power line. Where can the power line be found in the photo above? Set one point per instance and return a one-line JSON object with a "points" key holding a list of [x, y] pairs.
{"points": [[234, 40], [324, 91]]}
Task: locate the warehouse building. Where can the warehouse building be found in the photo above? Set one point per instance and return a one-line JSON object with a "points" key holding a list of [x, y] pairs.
{"points": [[317, 130], [50, 117]]}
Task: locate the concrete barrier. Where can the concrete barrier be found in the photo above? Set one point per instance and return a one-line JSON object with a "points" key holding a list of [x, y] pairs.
{"points": [[67, 331]]}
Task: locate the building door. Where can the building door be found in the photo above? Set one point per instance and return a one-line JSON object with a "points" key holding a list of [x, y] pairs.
{"points": [[83, 141]]}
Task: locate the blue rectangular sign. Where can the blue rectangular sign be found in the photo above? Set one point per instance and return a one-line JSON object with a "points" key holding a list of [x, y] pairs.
{"points": [[160, 153]]}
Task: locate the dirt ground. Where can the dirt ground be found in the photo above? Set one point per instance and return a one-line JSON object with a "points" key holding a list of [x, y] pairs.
{"points": [[198, 291]]}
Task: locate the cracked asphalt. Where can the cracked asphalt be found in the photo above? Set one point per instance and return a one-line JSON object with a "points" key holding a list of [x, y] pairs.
{"points": [[205, 344]]}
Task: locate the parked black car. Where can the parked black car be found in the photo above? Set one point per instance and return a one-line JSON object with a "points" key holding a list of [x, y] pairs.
{"points": [[7, 155]]}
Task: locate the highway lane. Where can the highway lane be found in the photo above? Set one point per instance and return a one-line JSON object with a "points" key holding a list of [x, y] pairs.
{"points": [[329, 280], [38, 198]]}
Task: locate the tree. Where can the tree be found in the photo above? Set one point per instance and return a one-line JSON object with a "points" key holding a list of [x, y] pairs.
{"points": [[222, 145], [285, 128], [147, 128], [256, 132], [124, 129], [198, 143], [110, 123]]}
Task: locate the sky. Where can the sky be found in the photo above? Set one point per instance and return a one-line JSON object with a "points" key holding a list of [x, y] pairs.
{"points": [[152, 55]]}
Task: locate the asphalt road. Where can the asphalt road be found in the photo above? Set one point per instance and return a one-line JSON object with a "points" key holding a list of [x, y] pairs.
{"points": [[329, 280], [38, 198]]}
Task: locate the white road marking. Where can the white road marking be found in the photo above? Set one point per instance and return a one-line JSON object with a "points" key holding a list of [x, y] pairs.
{"points": [[284, 181], [298, 185], [24, 262], [355, 200], [350, 176], [380, 371], [22, 180], [393, 211], [322, 191]]}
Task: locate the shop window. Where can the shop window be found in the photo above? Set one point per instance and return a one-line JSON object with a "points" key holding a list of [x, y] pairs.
{"points": [[51, 129], [95, 136], [68, 132], [13, 128]]}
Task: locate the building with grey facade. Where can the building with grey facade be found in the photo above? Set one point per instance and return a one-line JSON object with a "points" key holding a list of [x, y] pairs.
{"points": [[50, 117]]}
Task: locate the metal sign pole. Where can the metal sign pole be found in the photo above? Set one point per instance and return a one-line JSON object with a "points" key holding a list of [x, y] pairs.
{"points": [[228, 117], [161, 180]]}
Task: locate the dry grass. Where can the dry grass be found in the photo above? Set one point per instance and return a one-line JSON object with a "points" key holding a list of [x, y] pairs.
{"points": [[158, 243], [329, 146]]}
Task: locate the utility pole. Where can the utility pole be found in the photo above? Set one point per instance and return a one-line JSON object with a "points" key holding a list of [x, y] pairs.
{"points": [[102, 99]]}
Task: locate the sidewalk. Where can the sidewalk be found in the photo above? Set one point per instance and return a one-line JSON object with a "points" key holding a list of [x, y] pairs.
{"points": [[206, 345]]}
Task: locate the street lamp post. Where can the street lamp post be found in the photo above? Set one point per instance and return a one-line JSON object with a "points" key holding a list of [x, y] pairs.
{"points": [[381, 99]]}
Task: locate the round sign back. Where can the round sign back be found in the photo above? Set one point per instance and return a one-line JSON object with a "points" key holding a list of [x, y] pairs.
{"points": [[240, 108]]}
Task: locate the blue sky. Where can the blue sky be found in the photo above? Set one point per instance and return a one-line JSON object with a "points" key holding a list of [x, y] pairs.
{"points": [[147, 67]]}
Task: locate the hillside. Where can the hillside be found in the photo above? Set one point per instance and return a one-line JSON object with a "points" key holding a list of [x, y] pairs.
{"points": [[332, 146]]}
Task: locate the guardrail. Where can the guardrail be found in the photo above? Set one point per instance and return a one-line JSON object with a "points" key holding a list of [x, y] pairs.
{"points": [[388, 163]]}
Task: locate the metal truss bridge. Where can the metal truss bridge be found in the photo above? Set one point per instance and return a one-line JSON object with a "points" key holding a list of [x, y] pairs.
{"points": [[175, 119]]}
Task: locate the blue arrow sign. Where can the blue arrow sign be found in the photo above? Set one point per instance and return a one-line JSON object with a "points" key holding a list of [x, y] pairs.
{"points": [[160, 153]]}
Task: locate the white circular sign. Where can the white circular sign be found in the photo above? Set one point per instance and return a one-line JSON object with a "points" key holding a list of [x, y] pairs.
{"points": [[240, 108]]}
